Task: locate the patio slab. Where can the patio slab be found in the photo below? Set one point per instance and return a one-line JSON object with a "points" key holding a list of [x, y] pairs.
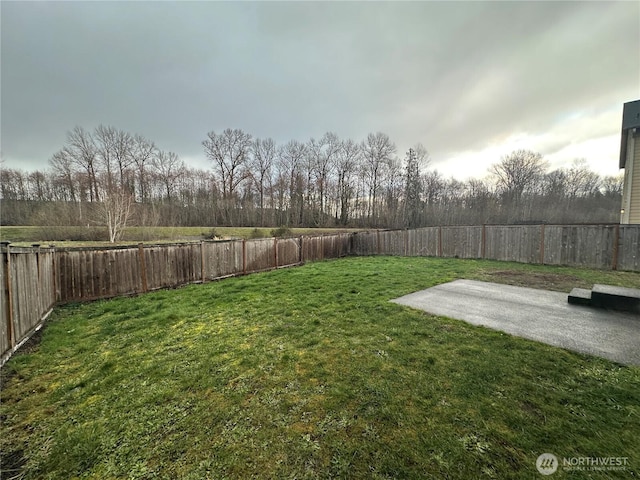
{"points": [[534, 314]]}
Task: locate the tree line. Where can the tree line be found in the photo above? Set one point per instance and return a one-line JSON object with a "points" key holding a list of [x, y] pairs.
{"points": [[113, 178]]}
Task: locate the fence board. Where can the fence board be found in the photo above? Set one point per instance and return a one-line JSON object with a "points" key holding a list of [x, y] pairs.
{"points": [[365, 243], [580, 245], [32, 294], [5, 344], [516, 243], [462, 242], [48, 278], [423, 242], [288, 251], [46, 289], [629, 248], [313, 249], [157, 266], [335, 246], [24, 274], [391, 242], [223, 258], [260, 254]]}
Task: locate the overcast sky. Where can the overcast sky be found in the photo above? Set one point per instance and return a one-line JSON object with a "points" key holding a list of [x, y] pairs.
{"points": [[470, 81]]}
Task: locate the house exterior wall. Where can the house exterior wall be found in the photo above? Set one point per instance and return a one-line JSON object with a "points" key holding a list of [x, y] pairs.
{"points": [[630, 213], [634, 210]]}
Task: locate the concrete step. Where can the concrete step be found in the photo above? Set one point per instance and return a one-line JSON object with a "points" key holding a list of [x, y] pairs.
{"points": [[616, 298], [580, 296]]}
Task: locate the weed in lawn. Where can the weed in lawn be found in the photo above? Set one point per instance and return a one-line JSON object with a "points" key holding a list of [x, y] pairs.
{"points": [[309, 372]]}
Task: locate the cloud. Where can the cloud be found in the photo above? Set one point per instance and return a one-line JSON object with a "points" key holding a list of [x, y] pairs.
{"points": [[466, 79]]}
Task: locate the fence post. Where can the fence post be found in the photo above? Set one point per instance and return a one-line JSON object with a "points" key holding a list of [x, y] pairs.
{"points": [[406, 243], [244, 256], [378, 242], [440, 241], [56, 281], [275, 252], [202, 269], [143, 267], [36, 246], [616, 243], [8, 293], [542, 229], [301, 249], [321, 247], [483, 248]]}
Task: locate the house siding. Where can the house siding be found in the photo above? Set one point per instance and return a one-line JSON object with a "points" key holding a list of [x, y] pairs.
{"points": [[634, 201]]}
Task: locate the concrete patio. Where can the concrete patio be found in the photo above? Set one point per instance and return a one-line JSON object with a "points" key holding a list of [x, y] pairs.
{"points": [[539, 315]]}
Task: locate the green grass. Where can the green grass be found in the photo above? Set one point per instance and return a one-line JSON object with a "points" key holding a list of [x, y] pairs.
{"points": [[311, 372], [83, 236]]}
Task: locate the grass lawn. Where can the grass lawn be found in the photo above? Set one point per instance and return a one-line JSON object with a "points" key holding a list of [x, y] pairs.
{"points": [[311, 372]]}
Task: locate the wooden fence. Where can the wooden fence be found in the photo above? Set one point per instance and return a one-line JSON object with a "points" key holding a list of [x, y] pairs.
{"points": [[89, 274], [33, 280], [27, 280], [615, 247]]}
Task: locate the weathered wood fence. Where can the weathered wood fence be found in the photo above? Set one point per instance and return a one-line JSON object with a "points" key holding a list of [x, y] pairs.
{"points": [[27, 281], [33, 280], [615, 247]]}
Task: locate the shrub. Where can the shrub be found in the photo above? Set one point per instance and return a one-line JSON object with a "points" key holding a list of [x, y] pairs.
{"points": [[211, 234], [281, 232]]}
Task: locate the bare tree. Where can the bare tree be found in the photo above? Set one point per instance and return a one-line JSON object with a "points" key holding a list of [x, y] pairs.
{"points": [[39, 186], [433, 187], [168, 167], [63, 169], [479, 201], [142, 154], [554, 184], [581, 181], [114, 151], [264, 154], [422, 156], [612, 186], [377, 151], [518, 172], [115, 211], [323, 155], [290, 159], [104, 138], [229, 152], [346, 164], [361, 184], [82, 149], [13, 184]]}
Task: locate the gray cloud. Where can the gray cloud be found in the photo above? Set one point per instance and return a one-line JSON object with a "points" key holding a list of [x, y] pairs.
{"points": [[454, 76]]}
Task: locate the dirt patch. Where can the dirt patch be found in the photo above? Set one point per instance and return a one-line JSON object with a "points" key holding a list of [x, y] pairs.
{"points": [[33, 343], [545, 281], [29, 346]]}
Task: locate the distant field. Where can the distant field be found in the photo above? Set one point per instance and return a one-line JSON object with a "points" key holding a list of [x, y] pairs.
{"points": [[96, 236]]}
